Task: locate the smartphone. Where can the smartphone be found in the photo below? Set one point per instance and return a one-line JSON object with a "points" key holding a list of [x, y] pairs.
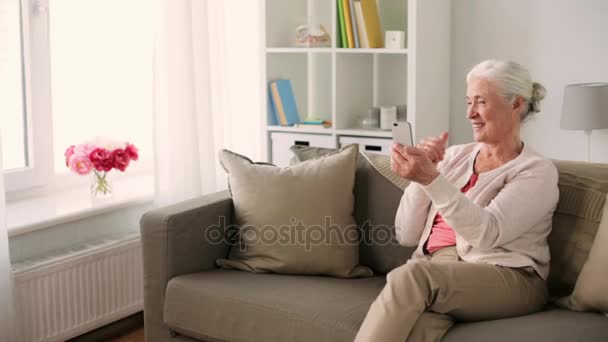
{"points": [[402, 133]]}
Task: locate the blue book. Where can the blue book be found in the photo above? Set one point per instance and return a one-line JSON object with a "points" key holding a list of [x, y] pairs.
{"points": [[272, 115], [354, 22], [288, 108]]}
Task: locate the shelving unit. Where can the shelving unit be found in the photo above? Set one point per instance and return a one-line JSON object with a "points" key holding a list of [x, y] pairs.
{"points": [[340, 84]]}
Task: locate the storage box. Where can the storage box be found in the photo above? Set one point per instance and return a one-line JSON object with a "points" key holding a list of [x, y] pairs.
{"points": [[375, 145]]}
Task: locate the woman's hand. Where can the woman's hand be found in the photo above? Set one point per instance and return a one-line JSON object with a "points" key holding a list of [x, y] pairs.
{"points": [[413, 164], [434, 147]]}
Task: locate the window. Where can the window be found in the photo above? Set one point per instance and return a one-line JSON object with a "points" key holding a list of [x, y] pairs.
{"points": [[101, 68], [78, 70], [14, 119]]}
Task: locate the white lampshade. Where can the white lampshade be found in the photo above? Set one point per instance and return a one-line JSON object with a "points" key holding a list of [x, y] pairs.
{"points": [[585, 106]]}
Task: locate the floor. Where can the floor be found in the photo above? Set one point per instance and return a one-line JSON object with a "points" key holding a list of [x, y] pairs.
{"points": [[133, 336], [129, 329]]}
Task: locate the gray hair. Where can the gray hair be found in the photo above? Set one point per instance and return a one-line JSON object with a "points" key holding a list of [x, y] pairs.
{"points": [[515, 81]]}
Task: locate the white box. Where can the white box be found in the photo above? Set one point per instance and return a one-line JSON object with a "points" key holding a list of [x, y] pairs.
{"points": [[394, 39], [281, 142], [375, 145]]}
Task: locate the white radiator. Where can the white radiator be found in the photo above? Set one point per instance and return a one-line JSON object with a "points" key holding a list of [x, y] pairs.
{"points": [[64, 295]]}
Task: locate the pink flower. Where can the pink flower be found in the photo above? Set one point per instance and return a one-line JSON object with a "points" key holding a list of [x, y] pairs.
{"points": [[85, 149], [102, 159], [68, 153], [132, 151], [121, 159], [80, 163]]}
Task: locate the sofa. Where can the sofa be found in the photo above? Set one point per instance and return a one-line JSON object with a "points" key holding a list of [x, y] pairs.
{"points": [[188, 298]]}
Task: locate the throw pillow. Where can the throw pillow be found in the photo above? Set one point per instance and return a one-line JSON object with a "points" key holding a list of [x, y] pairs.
{"points": [[295, 220], [591, 289]]}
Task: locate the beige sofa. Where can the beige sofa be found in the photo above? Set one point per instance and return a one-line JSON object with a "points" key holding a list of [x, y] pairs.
{"points": [[187, 298]]}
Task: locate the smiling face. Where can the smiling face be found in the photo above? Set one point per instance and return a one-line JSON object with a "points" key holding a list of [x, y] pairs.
{"points": [[494, 119]]}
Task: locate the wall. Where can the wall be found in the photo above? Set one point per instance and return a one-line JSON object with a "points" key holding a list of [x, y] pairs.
{"points": [[560, 41]]}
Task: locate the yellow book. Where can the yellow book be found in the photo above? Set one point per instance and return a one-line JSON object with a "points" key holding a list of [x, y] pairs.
{"points": [[279, 104], [348, 22], [372, 23]]}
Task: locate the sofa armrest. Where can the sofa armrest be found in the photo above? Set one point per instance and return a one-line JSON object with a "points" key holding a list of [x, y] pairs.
{"points": [[176, 240]]}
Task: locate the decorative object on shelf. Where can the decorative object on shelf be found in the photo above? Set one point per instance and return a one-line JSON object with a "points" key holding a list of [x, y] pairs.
{"points": [[372, 119], [312, 35], [100, 156], [283, 102], [585, 107], [394, 39], [388, 115]]}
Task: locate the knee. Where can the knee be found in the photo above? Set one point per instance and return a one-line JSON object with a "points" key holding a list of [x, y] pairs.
{"points": [[413, 270]]}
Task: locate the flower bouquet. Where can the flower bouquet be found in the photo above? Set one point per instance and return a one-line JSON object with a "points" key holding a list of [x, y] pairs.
{"points": [[100, 156]]}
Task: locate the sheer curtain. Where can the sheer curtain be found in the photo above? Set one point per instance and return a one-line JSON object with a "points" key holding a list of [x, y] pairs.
{"points": [[6, 281], [196, 76], [9, 20]]}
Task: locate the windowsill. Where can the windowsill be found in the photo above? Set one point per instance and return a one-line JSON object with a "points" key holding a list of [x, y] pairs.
{"points": [[32, 214]]}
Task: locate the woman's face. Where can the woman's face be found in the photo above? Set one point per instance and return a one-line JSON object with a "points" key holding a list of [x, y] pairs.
{"points": [[494, 120]]}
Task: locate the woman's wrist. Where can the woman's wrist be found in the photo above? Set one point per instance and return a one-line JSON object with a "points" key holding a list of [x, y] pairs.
{"points": [[430, 179]]}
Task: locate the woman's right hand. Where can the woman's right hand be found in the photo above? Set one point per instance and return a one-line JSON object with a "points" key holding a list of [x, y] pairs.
{"points": [[434, 147]]}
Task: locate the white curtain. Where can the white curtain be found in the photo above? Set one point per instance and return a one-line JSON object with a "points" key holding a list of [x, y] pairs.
{"points": [[196, 74], [6, 278], [208, 92]]}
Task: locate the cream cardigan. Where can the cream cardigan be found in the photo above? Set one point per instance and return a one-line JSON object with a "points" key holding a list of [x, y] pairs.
{"points": [[503, 220]]}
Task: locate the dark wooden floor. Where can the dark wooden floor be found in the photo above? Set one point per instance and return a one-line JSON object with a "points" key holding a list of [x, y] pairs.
{"points": [[129, 329]]}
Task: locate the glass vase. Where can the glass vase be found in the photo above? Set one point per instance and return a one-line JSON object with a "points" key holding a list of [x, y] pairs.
{"points": [[100, 186]]}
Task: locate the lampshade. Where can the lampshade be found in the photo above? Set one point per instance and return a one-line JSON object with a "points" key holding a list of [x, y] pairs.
{"points": [[585, 106]]}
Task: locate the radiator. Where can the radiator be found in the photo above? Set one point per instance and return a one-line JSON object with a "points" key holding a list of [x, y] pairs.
{"points": [[72, 292]]}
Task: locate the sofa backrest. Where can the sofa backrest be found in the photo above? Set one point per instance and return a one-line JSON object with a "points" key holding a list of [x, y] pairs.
{"points": [[582, 195], [583, 188], [376, 202]]}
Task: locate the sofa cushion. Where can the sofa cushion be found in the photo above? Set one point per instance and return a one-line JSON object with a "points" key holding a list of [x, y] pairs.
{"points": [[583, 188], [376, 202], [295, 220], [238, 306], [554, 325], [591, 289]]}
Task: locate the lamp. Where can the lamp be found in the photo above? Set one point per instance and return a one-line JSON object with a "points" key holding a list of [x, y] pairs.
{"points": [[585, 107]]}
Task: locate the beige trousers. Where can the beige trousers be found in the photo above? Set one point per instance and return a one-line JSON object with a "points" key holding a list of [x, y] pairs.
{"points": [[421, 300]]}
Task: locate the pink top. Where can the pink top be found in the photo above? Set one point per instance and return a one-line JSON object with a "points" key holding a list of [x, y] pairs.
{"points": [[442, 235]]}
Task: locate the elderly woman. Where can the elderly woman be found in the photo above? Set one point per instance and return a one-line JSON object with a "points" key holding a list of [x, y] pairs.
{"points": [[479, 214]]}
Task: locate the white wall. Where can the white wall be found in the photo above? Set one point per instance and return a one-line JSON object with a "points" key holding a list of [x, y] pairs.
{"points": [[560, 41]]}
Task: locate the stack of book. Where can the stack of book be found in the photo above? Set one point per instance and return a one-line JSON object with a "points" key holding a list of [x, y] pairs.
{"points": [[283, 109], [359, 24], [282, 103]]}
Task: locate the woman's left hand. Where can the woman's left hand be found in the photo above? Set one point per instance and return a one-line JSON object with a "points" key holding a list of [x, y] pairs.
{"points": [[413, 164]]}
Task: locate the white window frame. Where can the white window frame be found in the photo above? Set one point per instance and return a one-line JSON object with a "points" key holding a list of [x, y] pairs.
{"points": [[37, 99]]}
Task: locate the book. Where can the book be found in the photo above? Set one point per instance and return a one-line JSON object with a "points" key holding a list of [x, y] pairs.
{"points": [[278, 104], [272, 115], [353, 19], [372, 23], [348, 23], [343, 40], [285, 102], [363, 41]]}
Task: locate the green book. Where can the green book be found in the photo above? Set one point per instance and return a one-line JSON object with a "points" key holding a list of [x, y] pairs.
{"points": [[343, 40]]}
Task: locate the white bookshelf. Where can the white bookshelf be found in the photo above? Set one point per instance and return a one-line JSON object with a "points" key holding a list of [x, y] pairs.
{"points": [[340, 84]]}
